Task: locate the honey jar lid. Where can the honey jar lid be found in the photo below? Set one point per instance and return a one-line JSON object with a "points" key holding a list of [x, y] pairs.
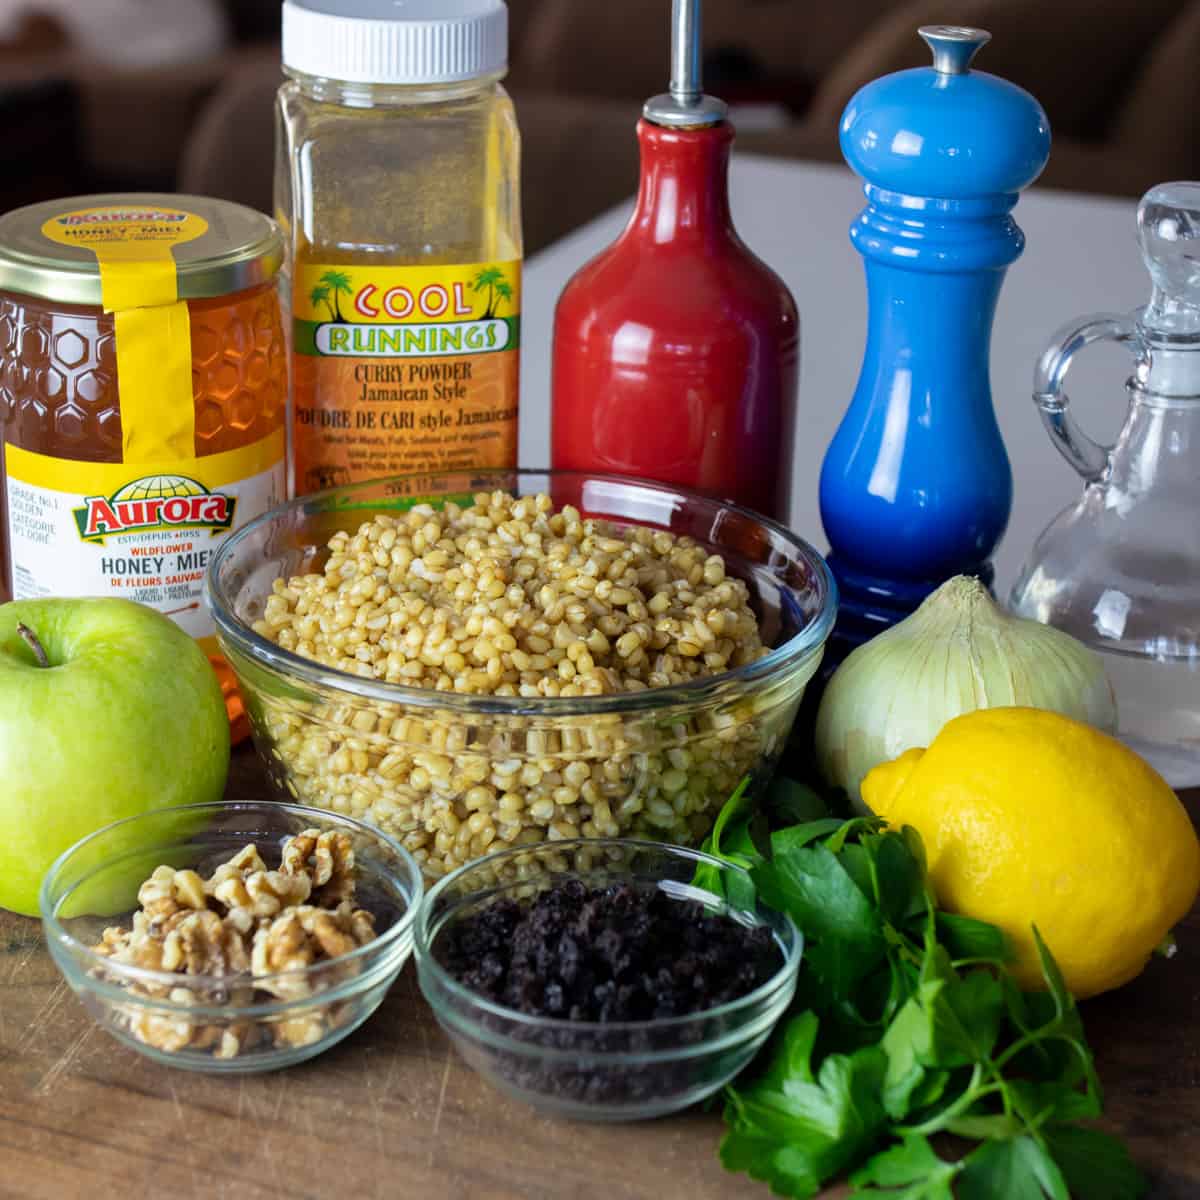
{"points": [[66, 250]]}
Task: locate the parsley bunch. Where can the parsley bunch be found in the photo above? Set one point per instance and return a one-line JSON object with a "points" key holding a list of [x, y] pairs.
{"points": [[906, 1024]]}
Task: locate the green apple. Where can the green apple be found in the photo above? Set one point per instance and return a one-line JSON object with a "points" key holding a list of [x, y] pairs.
{"points": [[107, 710]]}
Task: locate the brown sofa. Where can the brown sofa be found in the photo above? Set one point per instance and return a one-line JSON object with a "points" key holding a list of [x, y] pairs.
{"points": [[1118, 82], [1122, 93]]}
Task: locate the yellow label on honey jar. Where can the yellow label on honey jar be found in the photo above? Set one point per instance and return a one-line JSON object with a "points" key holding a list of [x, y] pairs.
{"points": [[140, 286], [144, 532], [399, 370]]}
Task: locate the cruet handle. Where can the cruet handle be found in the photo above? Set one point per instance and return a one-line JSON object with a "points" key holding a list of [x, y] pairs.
{"points": [[1088, 457]]}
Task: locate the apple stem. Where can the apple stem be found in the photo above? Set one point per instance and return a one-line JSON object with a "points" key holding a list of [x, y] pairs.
{"points": [[31, 640]]}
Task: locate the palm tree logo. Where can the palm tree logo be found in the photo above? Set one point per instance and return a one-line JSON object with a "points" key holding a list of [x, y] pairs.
{"points": [[320, 295], [503, 294], [498, 288], [331, 283]]}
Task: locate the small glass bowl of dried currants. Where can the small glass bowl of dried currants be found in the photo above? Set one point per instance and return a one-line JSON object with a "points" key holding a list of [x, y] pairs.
{"points": [[605, 979]]}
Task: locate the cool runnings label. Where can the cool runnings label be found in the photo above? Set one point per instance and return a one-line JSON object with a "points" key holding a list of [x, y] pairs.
{"points": [[144, 532], [400, 370]]}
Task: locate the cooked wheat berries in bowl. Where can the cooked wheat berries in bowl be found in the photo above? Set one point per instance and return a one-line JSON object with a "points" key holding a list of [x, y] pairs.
{"points": [[506, 658]]}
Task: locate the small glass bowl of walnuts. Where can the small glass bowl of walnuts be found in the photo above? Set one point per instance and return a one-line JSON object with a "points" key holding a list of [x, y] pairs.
{"points": [[498, 659], [232, 937]]}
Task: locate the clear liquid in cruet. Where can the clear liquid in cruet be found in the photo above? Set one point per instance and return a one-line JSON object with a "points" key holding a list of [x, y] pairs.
{"points": [[1120, 570]]}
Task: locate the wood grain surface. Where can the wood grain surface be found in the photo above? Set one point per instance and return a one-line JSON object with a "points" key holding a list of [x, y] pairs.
{"points": [[391, 1112]]}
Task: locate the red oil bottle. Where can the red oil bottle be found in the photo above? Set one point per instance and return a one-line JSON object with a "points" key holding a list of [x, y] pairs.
{"points": [[676, 350]]}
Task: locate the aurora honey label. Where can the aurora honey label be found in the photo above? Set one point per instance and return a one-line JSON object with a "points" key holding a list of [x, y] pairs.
{"points": [[144, 533], [403, 370], [154, 502]]}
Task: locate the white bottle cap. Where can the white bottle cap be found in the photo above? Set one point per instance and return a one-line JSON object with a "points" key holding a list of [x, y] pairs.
{"points": [[395, 41]]}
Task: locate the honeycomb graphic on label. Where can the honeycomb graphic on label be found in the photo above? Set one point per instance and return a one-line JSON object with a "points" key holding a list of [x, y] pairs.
{"points": [[59, 388]]}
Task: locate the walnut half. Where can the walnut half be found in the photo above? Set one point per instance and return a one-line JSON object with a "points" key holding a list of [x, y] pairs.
{"points": [[300, 938], [328, 861]]}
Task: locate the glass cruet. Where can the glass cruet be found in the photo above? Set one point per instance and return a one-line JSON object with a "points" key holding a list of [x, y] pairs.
{"points": [[1120, 569]]}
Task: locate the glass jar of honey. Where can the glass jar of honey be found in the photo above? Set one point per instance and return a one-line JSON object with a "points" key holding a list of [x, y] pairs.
{"points": [[143, 393]]}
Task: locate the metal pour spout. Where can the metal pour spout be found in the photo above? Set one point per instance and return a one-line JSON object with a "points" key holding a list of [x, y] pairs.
{"points": [[685, 104]]}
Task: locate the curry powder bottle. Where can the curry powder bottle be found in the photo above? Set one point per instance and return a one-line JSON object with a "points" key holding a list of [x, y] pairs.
{"points": [[397, 186]]}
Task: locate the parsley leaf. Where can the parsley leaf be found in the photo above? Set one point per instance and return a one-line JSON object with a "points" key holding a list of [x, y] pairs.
{"points": [[898, 878], [789, 800], [911, 1170], [1096, 1166], [908, 1083], [843, 932], [966, 938], [1015, 1169], [795, 1129]]}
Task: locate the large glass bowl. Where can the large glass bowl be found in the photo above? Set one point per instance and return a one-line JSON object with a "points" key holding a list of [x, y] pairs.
{"points": [[587, 1070], [224, 1024], [453, 777]]}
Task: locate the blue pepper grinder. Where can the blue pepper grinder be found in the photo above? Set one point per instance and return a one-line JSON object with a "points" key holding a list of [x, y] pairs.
{"points": [[916, 485]]}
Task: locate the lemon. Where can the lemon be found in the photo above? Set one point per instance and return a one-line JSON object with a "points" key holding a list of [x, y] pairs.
{"points": [[1032, 818]]}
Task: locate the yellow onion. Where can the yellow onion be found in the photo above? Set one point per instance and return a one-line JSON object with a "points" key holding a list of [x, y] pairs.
{"points": [[958, 652]]}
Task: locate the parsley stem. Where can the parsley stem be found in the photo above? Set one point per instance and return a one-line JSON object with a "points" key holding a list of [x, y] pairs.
{"points": [[1005, 1094], [1047, 1033], [975, 1090]]}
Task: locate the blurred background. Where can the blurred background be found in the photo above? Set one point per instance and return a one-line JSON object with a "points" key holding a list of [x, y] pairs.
{"points": [[177, 94]]}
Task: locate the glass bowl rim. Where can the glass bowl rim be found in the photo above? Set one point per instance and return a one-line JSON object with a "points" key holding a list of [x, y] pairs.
{"points": [[796, 650], [57, 934], [423, 950]]}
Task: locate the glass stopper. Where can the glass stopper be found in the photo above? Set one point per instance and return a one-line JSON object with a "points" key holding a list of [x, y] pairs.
{"points": [[1169, 233]]}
